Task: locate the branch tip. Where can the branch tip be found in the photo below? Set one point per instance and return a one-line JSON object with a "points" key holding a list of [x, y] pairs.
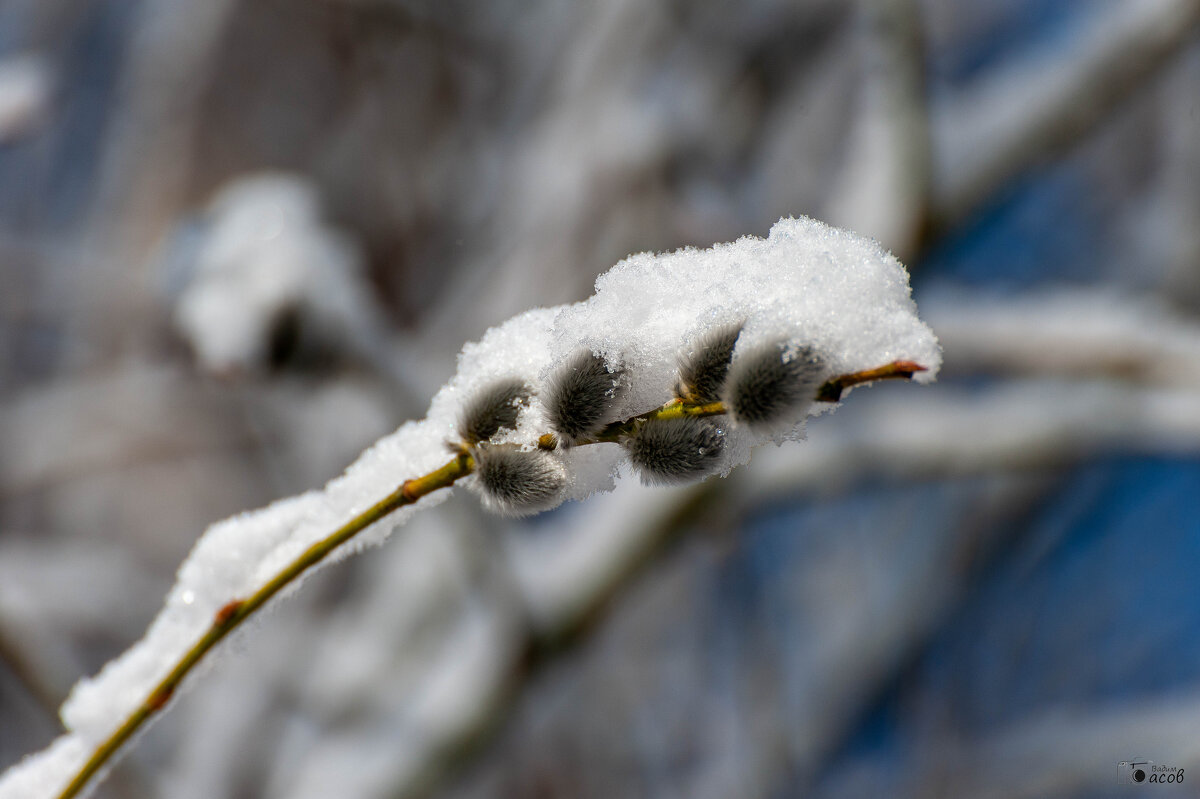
{"points": [[831, 390], [409, 490]]}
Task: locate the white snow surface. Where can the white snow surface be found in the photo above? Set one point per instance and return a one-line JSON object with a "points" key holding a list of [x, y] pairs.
{"points": [[826, 287]]}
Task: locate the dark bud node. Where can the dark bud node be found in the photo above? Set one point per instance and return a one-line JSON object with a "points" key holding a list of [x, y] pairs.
{"points": [[580, 395], [519, 482], [773, 384], [703, 368], [672, 451], [493, 409]]}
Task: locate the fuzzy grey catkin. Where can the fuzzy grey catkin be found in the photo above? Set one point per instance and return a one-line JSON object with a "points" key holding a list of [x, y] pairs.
{"points": [[672, 451], [703, 368], [519, 482], [493, 409], [773, 384], [579, 396]]}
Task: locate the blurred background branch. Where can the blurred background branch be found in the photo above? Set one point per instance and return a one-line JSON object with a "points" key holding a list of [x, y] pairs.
{"points": [[240, 240]]}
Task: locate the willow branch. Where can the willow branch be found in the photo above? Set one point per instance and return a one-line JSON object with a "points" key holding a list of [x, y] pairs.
{"points": [[231, 615]]}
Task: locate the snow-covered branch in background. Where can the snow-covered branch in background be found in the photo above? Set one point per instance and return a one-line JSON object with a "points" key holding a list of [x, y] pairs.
{"points": [[680, 363], [883, 188], [1069, 333], [262, 276], [1015, 118]]}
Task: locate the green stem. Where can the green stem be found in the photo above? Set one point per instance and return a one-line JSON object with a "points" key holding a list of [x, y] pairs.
{"points": [[232, 614], [672, 410]]}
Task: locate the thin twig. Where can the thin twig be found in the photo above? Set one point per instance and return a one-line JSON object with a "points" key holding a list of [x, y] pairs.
{"points": [[233, 613], [831, 390]]}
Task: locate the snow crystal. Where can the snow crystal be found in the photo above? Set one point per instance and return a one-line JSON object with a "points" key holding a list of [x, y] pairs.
{"points": [[819, 286]]}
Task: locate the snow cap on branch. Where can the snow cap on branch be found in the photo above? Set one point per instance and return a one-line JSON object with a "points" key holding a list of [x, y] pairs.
{"points": [[808, 291]]}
